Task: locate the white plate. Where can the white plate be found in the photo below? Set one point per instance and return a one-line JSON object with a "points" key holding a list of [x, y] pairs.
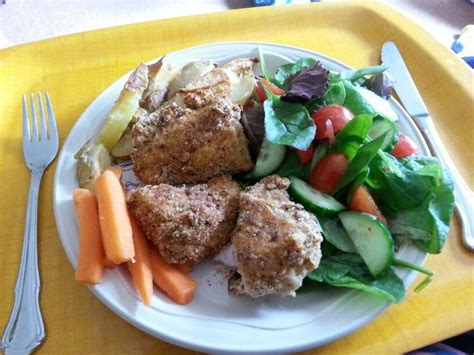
{"points": [[216, 321]]}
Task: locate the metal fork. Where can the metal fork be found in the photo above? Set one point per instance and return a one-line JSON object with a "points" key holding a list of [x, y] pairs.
{"points": [[25, 329]]}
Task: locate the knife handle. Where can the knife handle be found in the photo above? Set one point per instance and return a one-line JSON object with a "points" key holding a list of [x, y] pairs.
{"points": [[463, 194]]}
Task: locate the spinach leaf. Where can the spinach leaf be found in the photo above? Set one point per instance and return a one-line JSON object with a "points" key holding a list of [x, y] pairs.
{"points": [[354, 75], [399, 183], [361, 100], [335, 93], [417, 195], [308, 84], [361, 160], [353, 135], [286, 71], [288, 123], [291, 166], [358, 181], [348, 270], [335, 234]]}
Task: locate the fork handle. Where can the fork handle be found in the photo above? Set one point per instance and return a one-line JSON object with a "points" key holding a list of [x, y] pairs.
{"points": [[25, 328], [463, 195]]}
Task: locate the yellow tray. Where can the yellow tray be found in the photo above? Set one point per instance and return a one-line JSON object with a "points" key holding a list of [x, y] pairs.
{"points": [[75, 69]]}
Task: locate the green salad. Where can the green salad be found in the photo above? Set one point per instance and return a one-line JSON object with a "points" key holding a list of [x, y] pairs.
{"points": [[336, 137]]}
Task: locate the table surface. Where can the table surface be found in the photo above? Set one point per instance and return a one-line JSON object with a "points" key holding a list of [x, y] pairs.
{"points": [[441, 18], [75, 69]]}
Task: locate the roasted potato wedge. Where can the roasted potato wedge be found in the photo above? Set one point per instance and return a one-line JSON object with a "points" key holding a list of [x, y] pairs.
{"points": [[188, 74], [92, 160], [124, 108]]}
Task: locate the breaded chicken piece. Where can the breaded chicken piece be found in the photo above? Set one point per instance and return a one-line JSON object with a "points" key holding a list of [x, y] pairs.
{"points": [[191, 143], [187, 223], [276, 242]]}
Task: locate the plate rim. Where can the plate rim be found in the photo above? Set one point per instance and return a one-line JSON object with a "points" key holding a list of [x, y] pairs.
{"points": [[158, 333]]}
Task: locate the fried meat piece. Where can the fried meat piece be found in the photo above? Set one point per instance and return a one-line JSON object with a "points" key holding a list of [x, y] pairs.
{"points": [[187, 223], [277, 242], [191, 143]]}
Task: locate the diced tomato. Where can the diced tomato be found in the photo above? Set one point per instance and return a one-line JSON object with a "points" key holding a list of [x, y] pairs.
{"points": [[404, 147], [330, 131], [328, 172], [260, 92], [338, 116], [304, 156], [268, 85], [362, 201]]}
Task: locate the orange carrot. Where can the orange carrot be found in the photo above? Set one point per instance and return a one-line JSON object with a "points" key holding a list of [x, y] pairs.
{"points": [[109, 264], [90, 262], [114, 220], [186, 268], [141, 268], [179, 286], [117, 170]]}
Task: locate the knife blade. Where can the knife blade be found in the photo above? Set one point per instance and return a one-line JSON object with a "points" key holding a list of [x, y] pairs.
{"points": [[413, 103]]}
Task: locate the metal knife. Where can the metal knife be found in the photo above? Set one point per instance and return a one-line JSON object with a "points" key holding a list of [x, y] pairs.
{"points": [[413, 103]]}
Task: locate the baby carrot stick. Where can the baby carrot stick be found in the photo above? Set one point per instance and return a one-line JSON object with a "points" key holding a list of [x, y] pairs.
{"points": [[90, 261], [141, 268], [114, 220], [117, 170], [186, 268], [109, 263], [179, 287]]}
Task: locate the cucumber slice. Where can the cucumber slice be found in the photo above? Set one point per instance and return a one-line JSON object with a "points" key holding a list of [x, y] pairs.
{"points": [[380, 125], [371, 239], [269, 159], [335, 234], [314, 200]]}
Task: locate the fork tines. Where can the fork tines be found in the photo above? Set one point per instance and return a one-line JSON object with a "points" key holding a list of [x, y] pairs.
{"points": [[36, 134]]}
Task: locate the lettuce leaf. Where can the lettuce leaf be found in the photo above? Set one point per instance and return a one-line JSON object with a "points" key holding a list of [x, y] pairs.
{"points": [[335, 93], [335, 234], [352, 136], [361, 100], [349, 270], [361, 160], [354, 75], [288, 123], [416, 193], [285, 72], [307, 84]]}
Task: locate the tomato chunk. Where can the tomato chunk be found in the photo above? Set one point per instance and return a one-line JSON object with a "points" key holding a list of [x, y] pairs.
{"points": [[337, 116], [260, 92], [304, 156], [268, 85], [404, 147], [328, 172], [362, 201]]}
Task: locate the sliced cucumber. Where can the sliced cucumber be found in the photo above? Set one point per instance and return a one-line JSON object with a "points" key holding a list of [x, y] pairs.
{"points": [[314, 200], [380, 125], [371, 239], [269, 159], [335, 234]]}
